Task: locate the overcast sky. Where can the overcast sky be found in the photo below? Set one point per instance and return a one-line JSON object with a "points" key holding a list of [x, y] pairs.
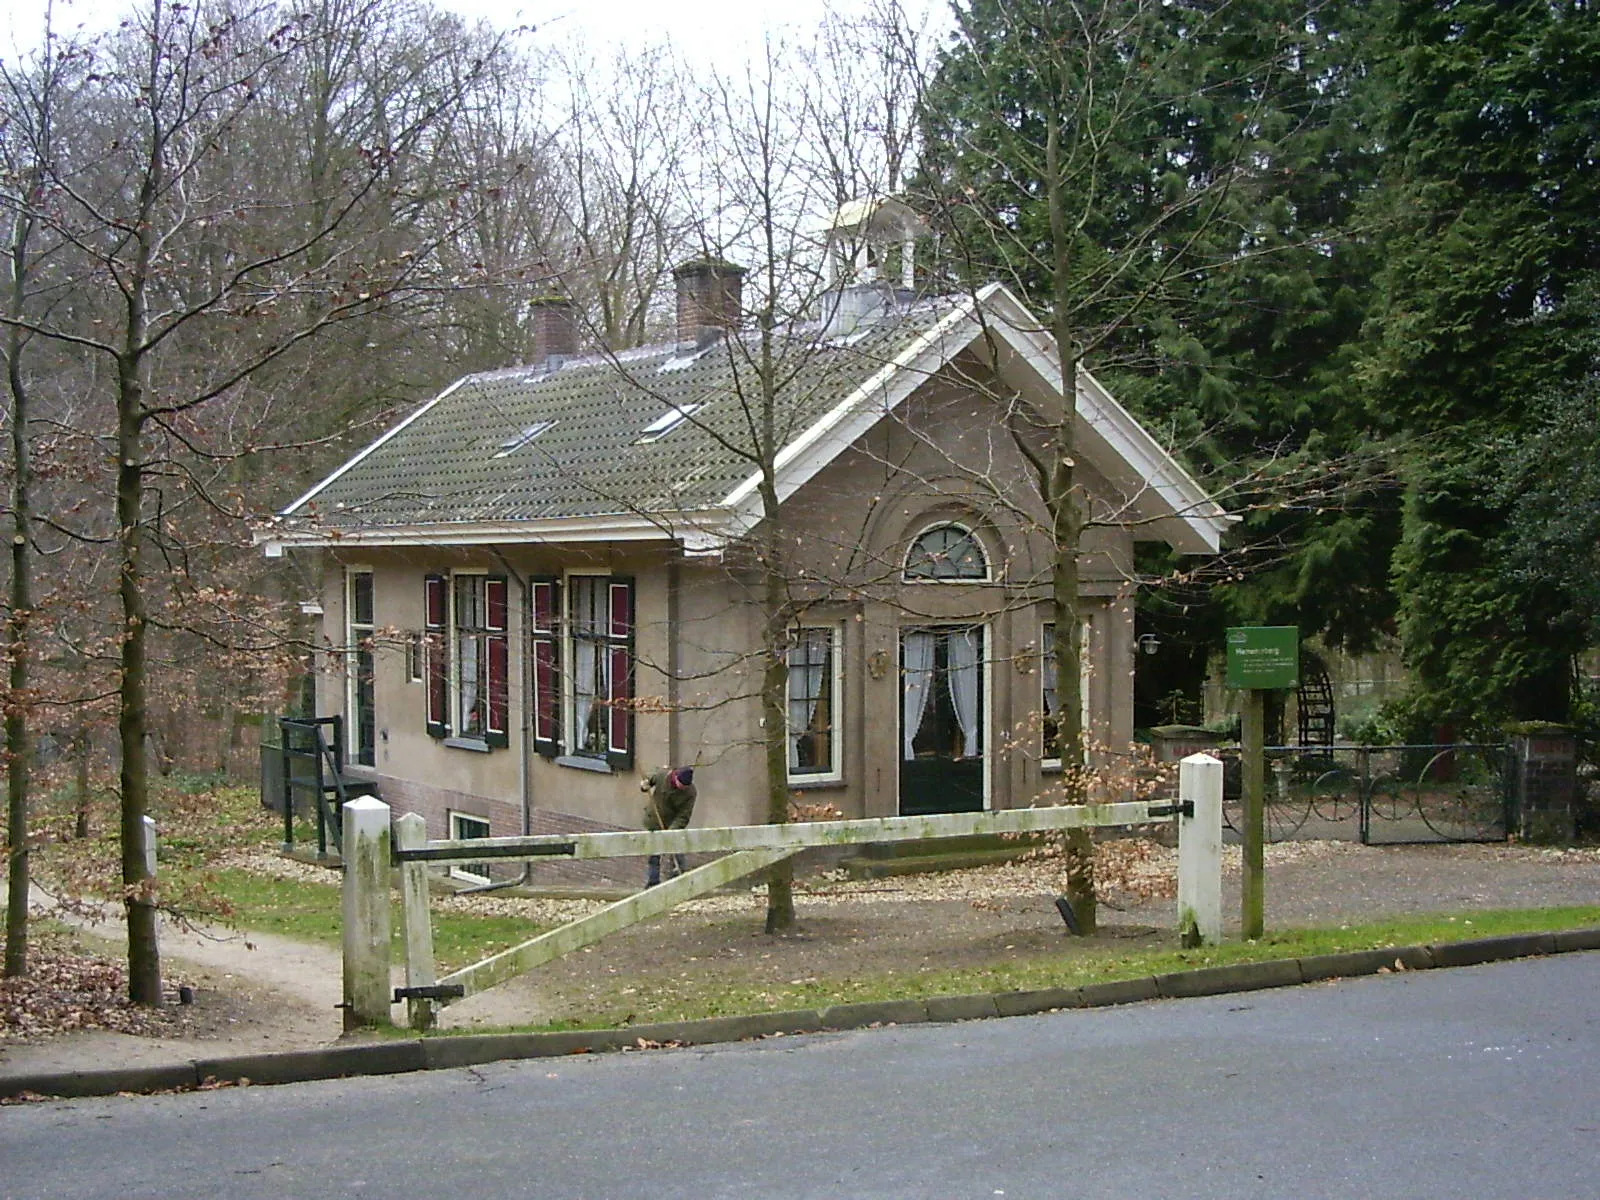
{"points": [[723, 29]]}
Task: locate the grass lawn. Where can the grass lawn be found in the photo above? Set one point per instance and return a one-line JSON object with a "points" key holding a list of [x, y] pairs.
{"points": [[310, 912], [683, 1000], [200, 821]]}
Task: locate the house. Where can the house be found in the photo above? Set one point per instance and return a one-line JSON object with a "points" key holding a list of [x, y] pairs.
{"points": [[540, 585]]}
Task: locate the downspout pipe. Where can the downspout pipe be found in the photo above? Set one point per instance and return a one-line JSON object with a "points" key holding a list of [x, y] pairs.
{"points": [[525, 762]]}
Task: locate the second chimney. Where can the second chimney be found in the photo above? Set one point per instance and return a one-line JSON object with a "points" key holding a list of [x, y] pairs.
{"points": [[710, 294], [555, 328]]}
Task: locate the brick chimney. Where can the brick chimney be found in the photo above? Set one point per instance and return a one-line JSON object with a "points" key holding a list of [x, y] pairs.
{"points": [[555, 327], [709, 297]]}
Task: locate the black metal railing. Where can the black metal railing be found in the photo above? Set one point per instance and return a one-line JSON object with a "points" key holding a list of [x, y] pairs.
{"points": [[312, 754], [1382, 795]]}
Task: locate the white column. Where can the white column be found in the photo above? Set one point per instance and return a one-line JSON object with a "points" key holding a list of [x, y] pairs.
{"points": [[366, 912], [411, 833], [1200, 851]]}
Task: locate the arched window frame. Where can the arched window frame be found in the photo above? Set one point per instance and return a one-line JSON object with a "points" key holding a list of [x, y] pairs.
{"points": [[967, 531]]}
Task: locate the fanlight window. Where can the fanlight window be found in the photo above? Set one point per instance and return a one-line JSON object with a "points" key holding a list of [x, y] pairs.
{"points": [[946, 552]]}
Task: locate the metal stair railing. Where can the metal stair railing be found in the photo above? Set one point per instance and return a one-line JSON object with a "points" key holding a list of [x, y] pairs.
{"points": [[313, 763]]}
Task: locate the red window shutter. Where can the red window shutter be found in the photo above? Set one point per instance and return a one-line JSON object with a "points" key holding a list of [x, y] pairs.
{"points": [[496, 727], [620, 650], [621, 695], [621, 603], [435, 606], [545, 652]]}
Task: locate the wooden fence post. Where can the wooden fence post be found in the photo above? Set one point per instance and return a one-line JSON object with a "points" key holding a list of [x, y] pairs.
{"points": [[366, 912], [411, 833], [1200, 851]]}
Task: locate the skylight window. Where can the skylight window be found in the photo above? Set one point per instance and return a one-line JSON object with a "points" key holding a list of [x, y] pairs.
{"points": [[667, 422], [512, 444]]}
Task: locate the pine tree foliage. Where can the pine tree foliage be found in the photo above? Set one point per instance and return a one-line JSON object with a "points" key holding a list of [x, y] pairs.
{"points": [[1489, 212]]}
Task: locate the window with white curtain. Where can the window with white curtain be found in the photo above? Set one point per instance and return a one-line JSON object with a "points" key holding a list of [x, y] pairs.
{"points": [[361, 692], [1051, 752], [466, 647], [942, 693], [814, 704]]}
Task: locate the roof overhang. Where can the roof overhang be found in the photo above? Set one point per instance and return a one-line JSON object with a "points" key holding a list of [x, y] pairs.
{"points": [[700, 532], [1161, 494]]}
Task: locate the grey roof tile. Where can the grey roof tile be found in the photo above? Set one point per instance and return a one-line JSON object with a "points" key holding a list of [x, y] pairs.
{"points": [[446, 466]]}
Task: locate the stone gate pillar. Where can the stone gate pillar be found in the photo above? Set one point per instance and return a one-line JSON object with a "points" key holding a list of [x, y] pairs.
{"points": [[1546, 780]]}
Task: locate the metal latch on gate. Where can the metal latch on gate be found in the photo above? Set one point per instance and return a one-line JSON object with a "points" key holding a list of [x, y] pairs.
{"points": [[1183, 808], [438, 991]]}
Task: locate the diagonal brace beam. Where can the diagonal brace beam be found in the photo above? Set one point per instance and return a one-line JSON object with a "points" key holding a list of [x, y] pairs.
{"points": [[608, 920]]}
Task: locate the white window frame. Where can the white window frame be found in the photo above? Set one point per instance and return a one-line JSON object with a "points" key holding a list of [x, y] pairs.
{"points": [[1046, 677], [988, 559], [453, 631], [835, 771], [570, 737], [416, 656], [355, 632], [464, 871]]}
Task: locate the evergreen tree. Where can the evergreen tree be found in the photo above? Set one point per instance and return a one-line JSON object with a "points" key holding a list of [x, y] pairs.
{"points": [[1128, 165], [1216, 156], [1490, 214]]}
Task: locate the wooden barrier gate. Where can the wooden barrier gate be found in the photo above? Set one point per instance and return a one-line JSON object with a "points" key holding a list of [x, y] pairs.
{"points": [[745, 848]]}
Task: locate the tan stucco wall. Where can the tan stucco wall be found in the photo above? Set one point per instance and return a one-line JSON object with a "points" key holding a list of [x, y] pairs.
{"points": [[848, 529]]}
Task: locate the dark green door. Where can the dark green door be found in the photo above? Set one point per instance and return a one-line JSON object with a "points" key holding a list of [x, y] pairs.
{"points": [[942, 722]]}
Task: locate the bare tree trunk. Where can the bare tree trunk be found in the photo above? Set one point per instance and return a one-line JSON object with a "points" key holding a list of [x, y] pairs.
{"points": [[1067, 534], [82, 750], [19, 759], [774, 723], [19, 749], [144, 952]]}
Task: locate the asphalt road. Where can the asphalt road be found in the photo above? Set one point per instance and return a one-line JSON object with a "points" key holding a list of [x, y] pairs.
{"points": [[1480, 1082]]}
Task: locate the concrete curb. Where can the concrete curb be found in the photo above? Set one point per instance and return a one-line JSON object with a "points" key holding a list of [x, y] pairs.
{"points": [[438, 1053]]}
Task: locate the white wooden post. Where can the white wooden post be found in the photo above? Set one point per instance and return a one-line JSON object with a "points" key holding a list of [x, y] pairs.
{"points": [[149, 829], [411, 833], [1200, 851], [366, 913]]}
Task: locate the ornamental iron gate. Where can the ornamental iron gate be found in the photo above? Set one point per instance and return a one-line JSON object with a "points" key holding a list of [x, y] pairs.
{"points": [[1382, 795]]}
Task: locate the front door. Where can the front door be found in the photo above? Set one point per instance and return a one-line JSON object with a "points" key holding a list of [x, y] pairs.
{"points": [[941, 719]]}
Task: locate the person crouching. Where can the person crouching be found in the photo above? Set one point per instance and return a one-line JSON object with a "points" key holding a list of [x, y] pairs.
{"points": [[671, 803]]}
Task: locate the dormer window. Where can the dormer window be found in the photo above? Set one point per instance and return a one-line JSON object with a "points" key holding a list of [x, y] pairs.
{"points": [[946, 552], [512, 444], [667, 422]]}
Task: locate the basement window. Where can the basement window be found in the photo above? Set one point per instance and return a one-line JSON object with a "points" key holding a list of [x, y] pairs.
{"points": [[512, 444], [463, 826], [667, 422]]}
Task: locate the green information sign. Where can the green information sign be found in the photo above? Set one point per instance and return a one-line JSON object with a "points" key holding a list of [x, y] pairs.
{"points": [[1264, 657]]}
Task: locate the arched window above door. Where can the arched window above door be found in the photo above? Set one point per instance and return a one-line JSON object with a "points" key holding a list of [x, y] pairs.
{"points": [[946, 552]]}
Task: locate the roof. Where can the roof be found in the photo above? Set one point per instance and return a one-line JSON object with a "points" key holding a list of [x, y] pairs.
{"points": [[591, 448]]}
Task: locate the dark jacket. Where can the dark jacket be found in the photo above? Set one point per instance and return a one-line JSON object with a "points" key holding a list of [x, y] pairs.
{"points": [[670, 805]]}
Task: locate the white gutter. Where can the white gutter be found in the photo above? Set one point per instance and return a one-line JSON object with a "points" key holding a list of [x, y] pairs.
{"points": [[701, 531]]}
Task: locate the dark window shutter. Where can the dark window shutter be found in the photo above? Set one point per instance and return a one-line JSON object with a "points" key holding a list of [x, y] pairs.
{"points": [[619, 635], [436, 612], [496, 727], [544, 644]]}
